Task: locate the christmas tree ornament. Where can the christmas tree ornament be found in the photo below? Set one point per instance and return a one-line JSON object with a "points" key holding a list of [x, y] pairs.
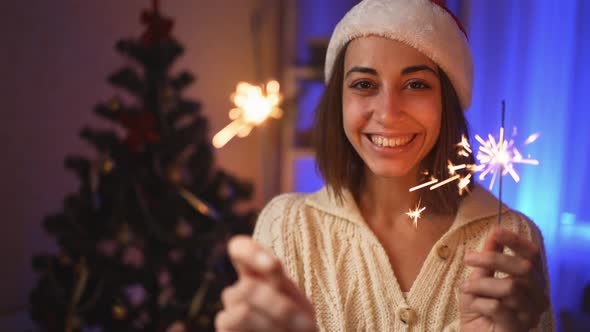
{"points": [[106, 166], [107, 247], [133, 257], [174, 175], [114, 104], [119, 312], [124, 236], [183, 229], [136, 295], [65, 259]]}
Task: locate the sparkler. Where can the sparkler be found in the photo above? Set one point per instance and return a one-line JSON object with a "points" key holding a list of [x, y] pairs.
{"points": [[497, 158], [415, 214], [253, 107]]}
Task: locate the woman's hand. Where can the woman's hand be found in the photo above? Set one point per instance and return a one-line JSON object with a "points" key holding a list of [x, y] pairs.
{"points": [[263, 298], [514, 303]]}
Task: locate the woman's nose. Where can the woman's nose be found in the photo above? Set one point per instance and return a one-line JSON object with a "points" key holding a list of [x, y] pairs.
{"points": [[389, 109]]}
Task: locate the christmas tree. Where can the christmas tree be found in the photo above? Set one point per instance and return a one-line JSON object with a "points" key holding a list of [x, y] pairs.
{"points": [[142, 243]]}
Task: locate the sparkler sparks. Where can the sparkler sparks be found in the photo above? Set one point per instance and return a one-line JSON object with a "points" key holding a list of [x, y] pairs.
{"points": [[426, 184], [253, 107], [416, 214], [442, 183], [463, 184], [499, 158], [466, 151], [495, 157]]}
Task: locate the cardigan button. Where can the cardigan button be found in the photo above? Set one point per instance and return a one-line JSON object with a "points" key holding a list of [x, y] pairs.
{"points": [[443, 251], [406, 315]]}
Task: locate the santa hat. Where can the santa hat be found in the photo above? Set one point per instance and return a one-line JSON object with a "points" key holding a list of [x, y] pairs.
{"points": [[426, 25]]}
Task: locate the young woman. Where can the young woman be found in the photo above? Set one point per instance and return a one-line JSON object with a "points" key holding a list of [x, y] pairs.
{"points": [[348, 257]]}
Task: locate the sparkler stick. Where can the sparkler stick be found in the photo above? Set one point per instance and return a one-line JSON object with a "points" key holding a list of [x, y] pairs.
{"points": [[501, 164]]}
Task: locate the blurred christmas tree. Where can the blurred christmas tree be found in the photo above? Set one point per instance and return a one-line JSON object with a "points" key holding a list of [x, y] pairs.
{"points": [[142, 244]]}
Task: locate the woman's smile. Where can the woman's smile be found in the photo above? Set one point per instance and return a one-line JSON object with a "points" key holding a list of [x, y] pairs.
{"points": [[392, 147], [391, 141]]}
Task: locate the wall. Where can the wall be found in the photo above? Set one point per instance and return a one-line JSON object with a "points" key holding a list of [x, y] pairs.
{"points": [[54, 63]]}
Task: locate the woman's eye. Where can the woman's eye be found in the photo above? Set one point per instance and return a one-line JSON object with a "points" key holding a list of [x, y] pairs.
{"points": [[418, 85], [363, 85]]}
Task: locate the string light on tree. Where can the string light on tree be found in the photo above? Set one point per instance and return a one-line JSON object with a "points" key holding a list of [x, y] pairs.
{"points": [[253, 107]]}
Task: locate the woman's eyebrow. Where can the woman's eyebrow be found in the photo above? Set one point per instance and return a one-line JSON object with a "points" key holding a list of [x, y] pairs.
{"points": [[413, 69], [365, 70]]}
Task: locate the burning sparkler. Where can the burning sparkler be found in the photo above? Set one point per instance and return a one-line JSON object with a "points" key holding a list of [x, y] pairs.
{"points": [[499, 157], [495, 158], [253, 107]]}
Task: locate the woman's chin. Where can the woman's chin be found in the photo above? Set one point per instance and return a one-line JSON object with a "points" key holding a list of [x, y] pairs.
{"points": [[393, 172]]}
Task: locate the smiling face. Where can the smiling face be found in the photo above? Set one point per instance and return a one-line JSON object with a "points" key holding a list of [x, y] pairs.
{"points": [[391, 104]]}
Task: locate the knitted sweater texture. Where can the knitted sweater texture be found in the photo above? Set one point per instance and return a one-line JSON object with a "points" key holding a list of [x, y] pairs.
{"points": [[328, 250]]}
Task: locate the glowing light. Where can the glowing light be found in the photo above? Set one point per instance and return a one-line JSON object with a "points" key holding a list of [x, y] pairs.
{"points": [[442, 183], [532, 138], [501, 156], [425, 184], [463, 184], [253, 107], [495, 157], [453, 168], [416, 214], [466, 151]]}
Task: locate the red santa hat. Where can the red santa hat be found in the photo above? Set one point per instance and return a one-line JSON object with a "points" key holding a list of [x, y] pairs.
{"points": [[426, 25]]}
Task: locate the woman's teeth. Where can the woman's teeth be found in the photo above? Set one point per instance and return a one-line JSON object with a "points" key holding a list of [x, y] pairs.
{"points": [[391, 142]]}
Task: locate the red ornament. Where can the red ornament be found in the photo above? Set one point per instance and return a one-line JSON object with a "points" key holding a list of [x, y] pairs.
{"points": [[141, 130]]}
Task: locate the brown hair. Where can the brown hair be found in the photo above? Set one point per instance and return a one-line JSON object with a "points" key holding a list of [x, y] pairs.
{"points": [[342, 168]]}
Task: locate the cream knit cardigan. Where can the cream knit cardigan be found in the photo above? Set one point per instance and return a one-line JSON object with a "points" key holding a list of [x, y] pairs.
{"points": [[333, 256]]}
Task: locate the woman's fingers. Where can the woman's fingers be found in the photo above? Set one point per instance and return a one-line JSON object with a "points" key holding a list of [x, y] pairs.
{"points": [[243, 317], [516, 295], [495, 261], [238, 292], [496, 288], [500, 237], [283, 310], [519, 244], [497, 312], [249, 258], [263, 298], [518, 298], [265, 306]]}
